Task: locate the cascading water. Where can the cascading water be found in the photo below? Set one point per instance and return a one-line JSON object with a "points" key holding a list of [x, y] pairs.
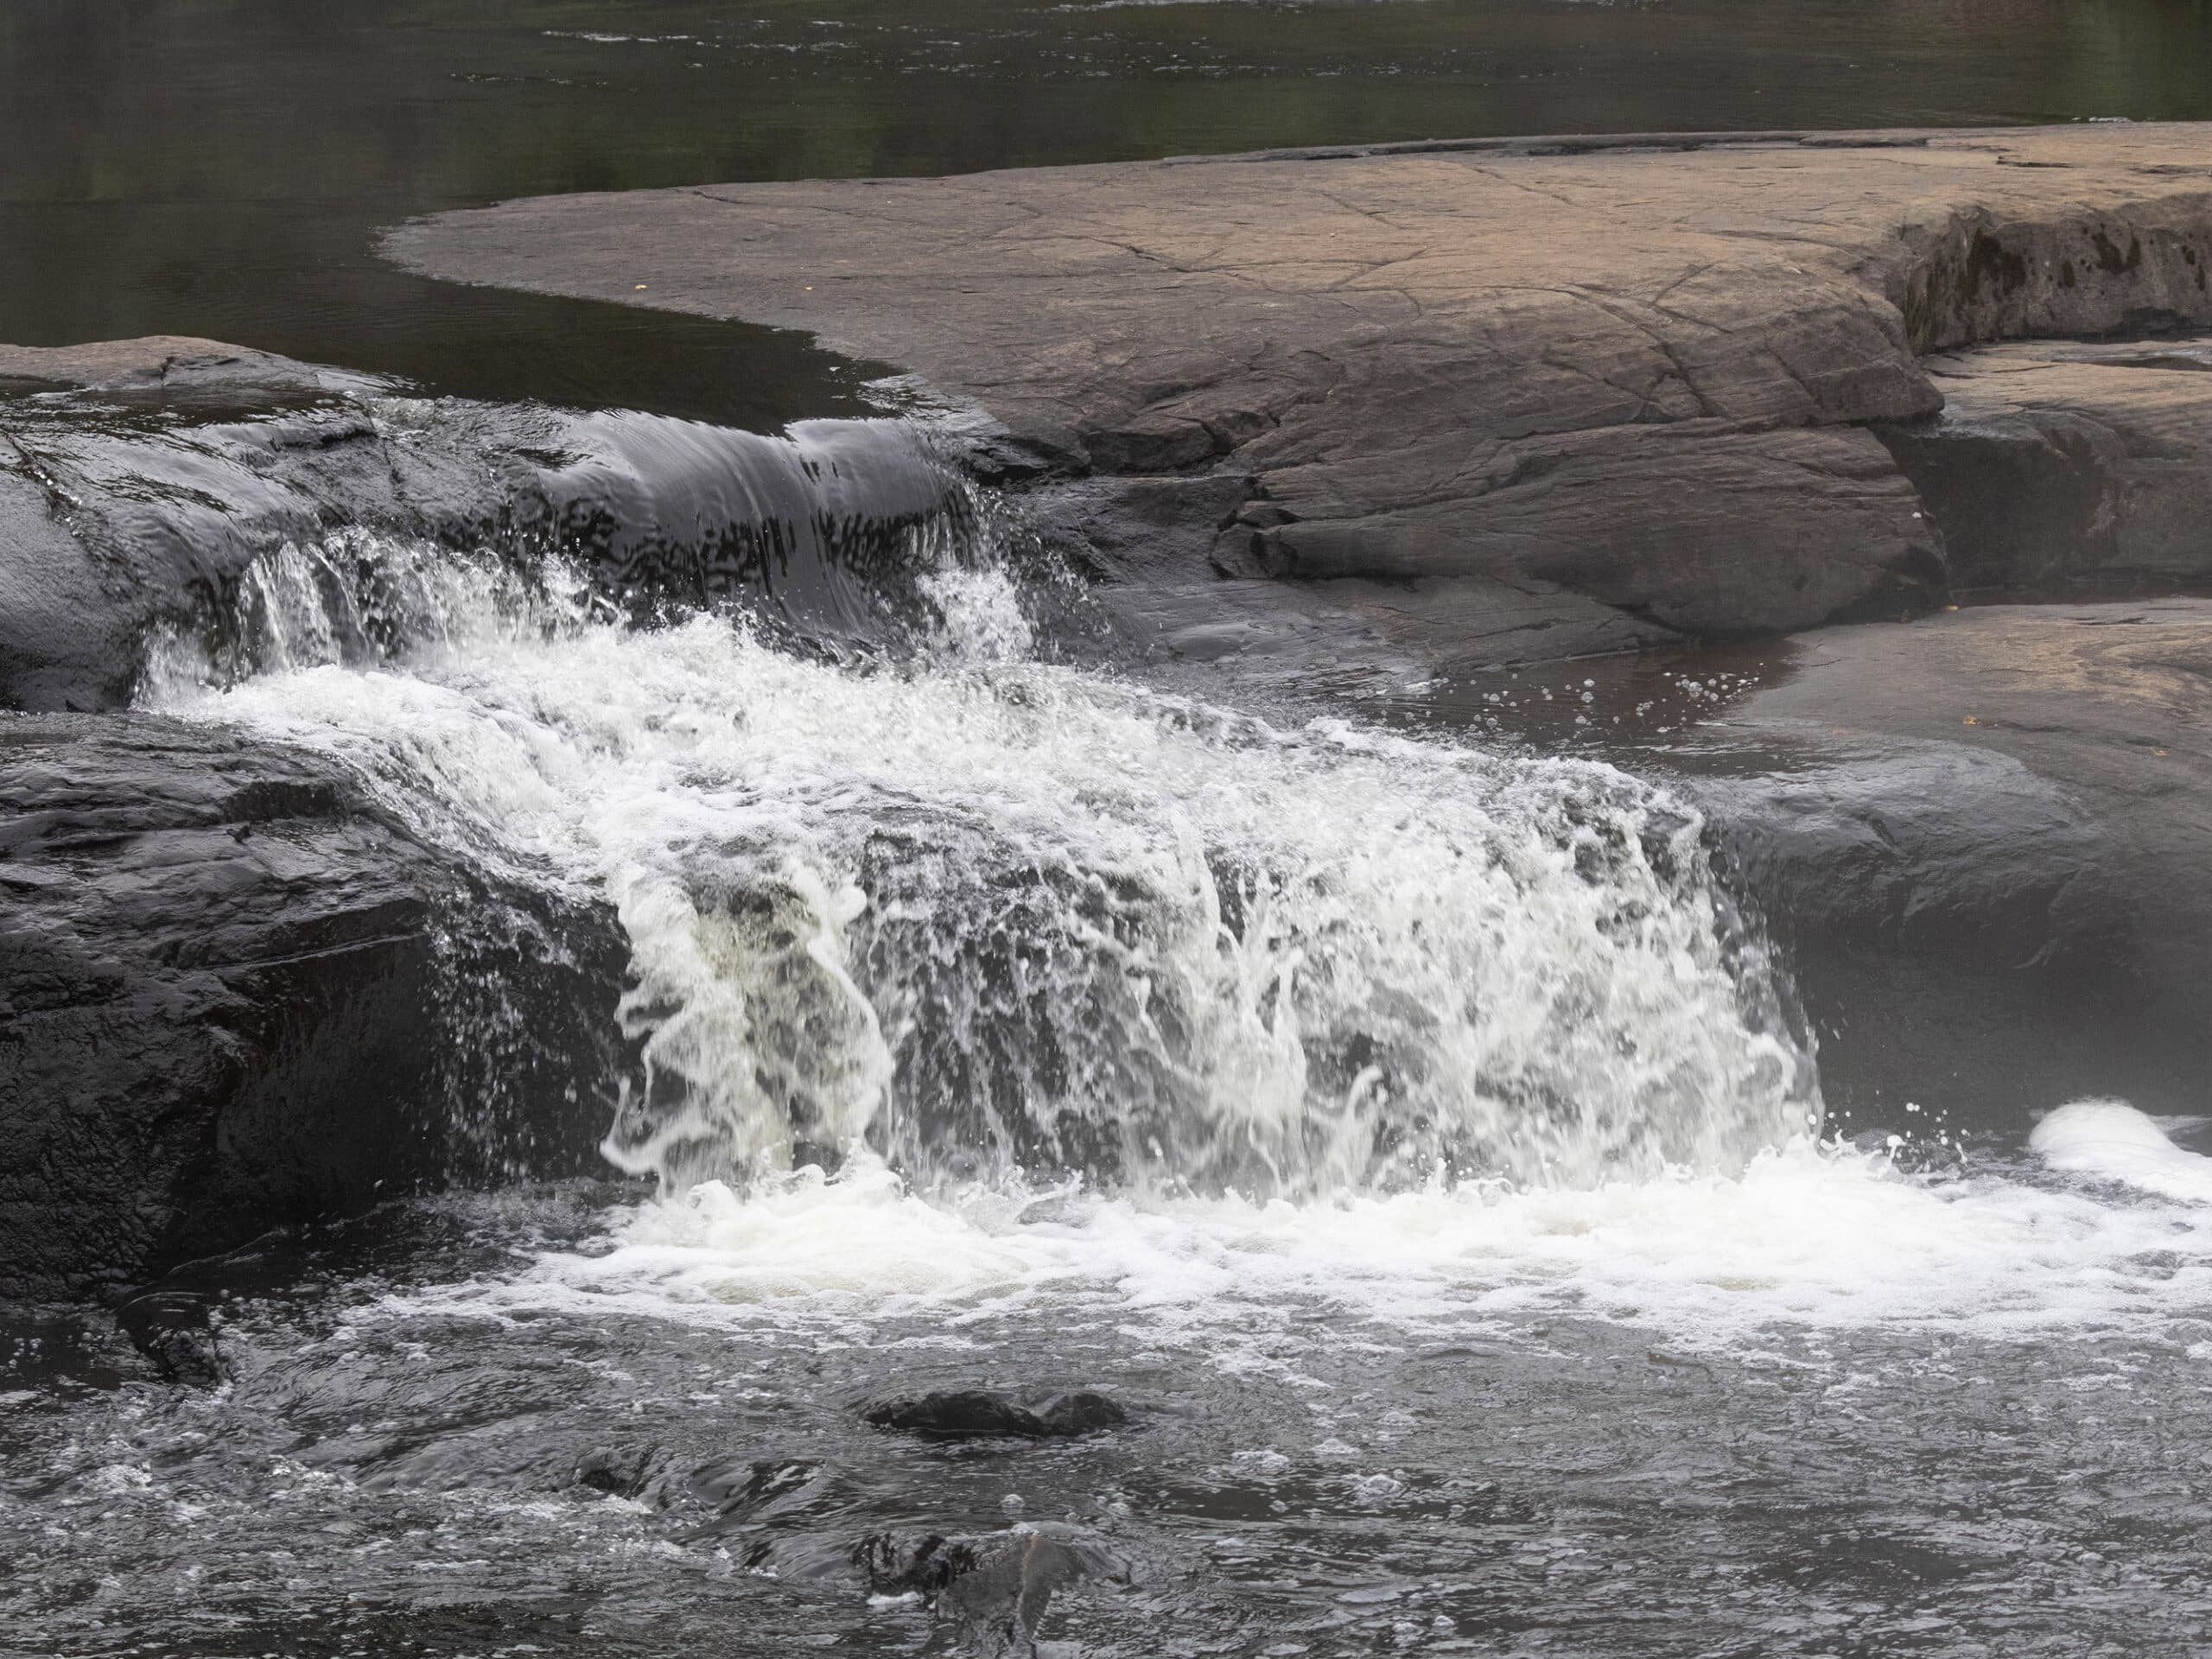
{"points": [[989, 917], [1411, 1142]]}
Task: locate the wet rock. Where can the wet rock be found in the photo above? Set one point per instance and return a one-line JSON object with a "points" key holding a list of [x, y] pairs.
{"points": [[975, 1414], [130, 510], [233, 995], [2068, 464], [127, 515], [1981, 839], [1562, 394], [898, 1564], [172, 1329], [620, 1471]]}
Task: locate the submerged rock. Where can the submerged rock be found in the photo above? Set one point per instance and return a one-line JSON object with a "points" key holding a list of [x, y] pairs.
{"points": [[975, 1413], [921, 1564]]}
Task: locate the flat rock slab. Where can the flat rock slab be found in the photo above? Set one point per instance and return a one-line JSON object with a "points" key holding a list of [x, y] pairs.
{"points": [[1605, 388], [173, 364]]}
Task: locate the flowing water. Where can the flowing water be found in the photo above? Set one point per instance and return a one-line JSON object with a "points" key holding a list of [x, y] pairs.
{"points": [[1411, 1137]]}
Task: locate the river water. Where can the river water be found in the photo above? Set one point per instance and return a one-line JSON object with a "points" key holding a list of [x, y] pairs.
{"points": [[1409, 1133], [1408, 1136]]}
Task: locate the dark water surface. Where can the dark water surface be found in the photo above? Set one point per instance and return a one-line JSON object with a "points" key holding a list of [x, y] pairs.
{"points": [[216, 167]]}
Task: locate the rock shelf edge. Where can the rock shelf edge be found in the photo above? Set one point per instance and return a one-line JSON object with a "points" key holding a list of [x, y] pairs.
{"points": [[1491, 400]]}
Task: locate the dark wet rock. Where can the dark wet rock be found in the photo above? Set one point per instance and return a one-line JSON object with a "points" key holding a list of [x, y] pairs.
{"points": [[1981, 839], [129, 512], [619, 1470], [233, 995], [1563, 396], [172, 1329], [975, 1413], [995, 1587], [118, 521], [923, 1564], [2068, 464]]}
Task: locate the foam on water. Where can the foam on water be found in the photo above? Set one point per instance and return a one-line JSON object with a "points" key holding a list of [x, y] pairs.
{"points": [[1095, 999], [1808, 1239], [2111, 1140]]}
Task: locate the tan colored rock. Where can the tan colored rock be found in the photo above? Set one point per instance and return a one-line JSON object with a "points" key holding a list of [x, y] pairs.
{"points": [[1600, 365], [155, 362]]}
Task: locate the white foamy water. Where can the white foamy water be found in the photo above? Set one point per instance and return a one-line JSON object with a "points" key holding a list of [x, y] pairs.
{"points": [[2111, 1140], [989, 915], [1807, 1239]]}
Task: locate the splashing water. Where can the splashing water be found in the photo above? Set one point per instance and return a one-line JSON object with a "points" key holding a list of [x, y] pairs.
{"points": [[986, 915]]}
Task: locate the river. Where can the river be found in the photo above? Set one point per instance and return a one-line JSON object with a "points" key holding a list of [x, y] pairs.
{"points": [[1397, 1137]]}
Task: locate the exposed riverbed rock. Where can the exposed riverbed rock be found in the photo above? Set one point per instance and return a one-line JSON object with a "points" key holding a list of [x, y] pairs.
{"points": [[977, 1414], [174, 366], [2065, 463], [231, 995], [1616, 389], [1982, 837]]}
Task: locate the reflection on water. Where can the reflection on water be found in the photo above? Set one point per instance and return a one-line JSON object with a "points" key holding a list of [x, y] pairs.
{"points": [[220, 168]]}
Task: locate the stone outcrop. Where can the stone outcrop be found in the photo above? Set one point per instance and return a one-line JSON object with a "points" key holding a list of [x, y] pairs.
{"points": [[174, 366], [1598, 392], [2066, 463], [231, 995], [234, 993], [1982, 837], [140, 481]]}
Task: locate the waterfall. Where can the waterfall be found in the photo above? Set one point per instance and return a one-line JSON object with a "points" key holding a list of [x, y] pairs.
{"points": [[992, 917]]}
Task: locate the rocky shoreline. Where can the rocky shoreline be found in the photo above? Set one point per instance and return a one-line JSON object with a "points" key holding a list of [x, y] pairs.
{"points": [[1503, 401]]}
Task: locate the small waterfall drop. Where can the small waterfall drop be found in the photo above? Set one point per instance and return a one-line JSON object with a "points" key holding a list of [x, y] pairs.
{"points": [[993, 919]]}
